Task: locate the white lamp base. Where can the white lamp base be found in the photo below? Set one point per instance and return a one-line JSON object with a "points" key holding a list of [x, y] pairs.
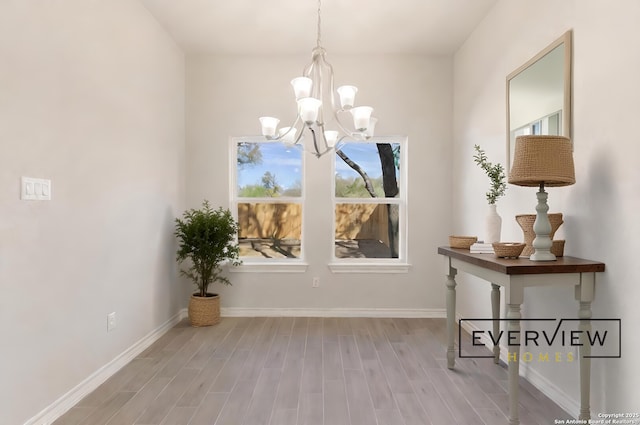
{"points": [[542, 228]]}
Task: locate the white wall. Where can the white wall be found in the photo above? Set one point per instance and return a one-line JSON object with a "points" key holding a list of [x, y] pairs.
{"points": [[411, 95], [601, 209], [91, 97]]}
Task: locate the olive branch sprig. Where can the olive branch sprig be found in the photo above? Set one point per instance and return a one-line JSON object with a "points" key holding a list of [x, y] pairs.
{"points": [[495, 172]]}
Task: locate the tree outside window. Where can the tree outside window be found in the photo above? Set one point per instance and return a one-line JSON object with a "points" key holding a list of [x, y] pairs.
{"points": [[269, 199], [368, 200]]}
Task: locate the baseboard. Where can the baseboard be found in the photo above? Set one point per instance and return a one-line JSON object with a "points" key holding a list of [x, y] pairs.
{"points": [[332, 312], [71, 398], [536, 379]]}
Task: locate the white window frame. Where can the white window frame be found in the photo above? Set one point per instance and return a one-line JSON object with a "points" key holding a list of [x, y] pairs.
{"points": [[376, 265], [262, 265]]}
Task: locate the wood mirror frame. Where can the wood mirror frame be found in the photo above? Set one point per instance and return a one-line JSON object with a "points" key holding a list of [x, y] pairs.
{"points": [[543, 86]]}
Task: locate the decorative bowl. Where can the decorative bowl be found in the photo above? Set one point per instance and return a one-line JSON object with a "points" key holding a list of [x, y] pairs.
{"points": [[507, 249], [463, 242]]}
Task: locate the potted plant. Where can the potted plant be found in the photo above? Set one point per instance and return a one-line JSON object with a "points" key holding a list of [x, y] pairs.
{"points": [[206, 239], [496, 175]]}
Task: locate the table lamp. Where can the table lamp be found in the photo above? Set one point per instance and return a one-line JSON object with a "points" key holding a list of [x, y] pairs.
{"points": [[542, 161]]}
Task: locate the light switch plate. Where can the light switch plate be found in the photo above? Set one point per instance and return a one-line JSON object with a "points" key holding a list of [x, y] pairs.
{"points": [[111, 321], [35, 189]]}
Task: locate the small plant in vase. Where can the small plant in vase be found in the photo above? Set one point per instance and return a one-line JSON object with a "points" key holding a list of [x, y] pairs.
{"points": [[496, 175]]}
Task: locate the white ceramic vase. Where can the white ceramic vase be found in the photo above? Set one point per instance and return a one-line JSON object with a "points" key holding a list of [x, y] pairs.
{"points": [[493, 225]]}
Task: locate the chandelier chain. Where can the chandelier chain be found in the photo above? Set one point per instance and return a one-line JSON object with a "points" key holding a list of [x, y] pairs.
{"points": [[319, 22]]}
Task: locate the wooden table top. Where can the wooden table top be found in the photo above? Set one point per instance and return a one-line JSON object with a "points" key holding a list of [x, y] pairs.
{"points": [[518, 266]]}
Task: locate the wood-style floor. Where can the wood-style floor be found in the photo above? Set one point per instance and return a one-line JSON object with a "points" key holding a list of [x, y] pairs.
{"points": [[307, 371]]}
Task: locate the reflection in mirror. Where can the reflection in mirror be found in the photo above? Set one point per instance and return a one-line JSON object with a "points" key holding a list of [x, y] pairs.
{"points": [[539, 94]]}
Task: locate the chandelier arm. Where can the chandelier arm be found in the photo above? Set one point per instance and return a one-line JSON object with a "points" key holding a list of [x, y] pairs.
{"points": [[306, 72], [315, 143], [331, 84], [326, 148], [345, 131], [293, 126], [324, 140], [299, 136], [321, 61]]}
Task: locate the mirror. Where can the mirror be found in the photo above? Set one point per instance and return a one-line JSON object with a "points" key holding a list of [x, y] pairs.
{"points": [[539, 95]]}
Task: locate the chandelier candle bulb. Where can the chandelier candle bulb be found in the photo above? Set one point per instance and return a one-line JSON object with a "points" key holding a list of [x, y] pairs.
{"points": [[288, 135], [309, 107], [361, 117], [372, 127], [331, 137], [269, 125], [347, 96], [302, 87]]}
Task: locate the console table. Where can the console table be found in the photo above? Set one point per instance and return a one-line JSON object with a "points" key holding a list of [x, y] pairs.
{"points": [[515, 275]]}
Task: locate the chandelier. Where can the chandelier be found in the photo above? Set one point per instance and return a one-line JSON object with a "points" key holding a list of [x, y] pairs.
{"points": [[311, 90]]}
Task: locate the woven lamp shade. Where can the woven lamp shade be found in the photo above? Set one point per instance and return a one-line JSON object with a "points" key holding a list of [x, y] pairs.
{"points": [[542, 159]]}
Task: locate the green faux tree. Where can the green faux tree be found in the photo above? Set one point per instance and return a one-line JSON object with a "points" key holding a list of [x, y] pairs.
{"points": [[207, 238]]}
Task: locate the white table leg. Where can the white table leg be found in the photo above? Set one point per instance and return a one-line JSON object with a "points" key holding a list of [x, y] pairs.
{"points": [[513, 359], [514, 296], [451, 317], [495, 312], [585, 361], [585, 293]]}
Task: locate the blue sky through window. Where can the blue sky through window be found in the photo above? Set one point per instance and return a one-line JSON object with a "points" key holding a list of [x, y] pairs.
{"points": [[280, 160], [285, 162]]}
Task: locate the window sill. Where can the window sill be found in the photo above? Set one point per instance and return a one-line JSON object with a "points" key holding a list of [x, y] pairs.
{"points": [[274, 267], [395, 268]]}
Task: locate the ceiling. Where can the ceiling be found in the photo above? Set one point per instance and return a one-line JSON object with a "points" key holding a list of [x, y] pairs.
{"points": [[348, 26]]}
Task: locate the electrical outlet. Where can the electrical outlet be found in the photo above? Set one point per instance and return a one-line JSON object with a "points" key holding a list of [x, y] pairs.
{"points": [[316, 282], [111, 321]]}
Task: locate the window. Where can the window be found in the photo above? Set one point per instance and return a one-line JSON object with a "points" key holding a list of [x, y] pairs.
{"points": [[370, 201], [267, 197], [365, 201]]}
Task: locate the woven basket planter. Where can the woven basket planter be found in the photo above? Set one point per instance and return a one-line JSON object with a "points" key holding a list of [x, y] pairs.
{"points": [[463, 242], [204, 311], [557, 247], [526, 223]]}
